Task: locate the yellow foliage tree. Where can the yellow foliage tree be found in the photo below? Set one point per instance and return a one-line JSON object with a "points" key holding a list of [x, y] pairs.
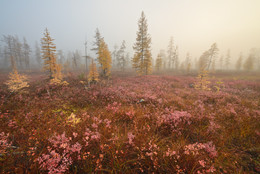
{"points": [[93, 73], [57, 76], [49, 57], [202, 80], [16, 82], [142, 60], [48, 53], [104, 58]]}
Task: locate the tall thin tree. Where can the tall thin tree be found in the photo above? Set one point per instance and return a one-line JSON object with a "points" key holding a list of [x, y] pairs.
{"points": [[171, 54], [37, 54], [104, 59], [227, 60], [49, 56], [26, 53], [142, 60], [121, 61], [96, 43], [212, 52], [239, 62]]}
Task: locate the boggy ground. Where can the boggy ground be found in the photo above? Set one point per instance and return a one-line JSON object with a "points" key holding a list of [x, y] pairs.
{"points": [[132, 124]]}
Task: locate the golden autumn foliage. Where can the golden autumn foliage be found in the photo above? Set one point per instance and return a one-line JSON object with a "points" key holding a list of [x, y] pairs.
{"points": [[142, 60], [56, 81], [49, 57], [17, 82], [93, 73], [202, 80], [104, 58], [48, 53], [219, 85], [57, 76], [73, 120]]}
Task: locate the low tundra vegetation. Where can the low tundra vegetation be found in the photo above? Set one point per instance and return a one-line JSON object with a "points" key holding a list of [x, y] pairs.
{"points": [[146, 124]]}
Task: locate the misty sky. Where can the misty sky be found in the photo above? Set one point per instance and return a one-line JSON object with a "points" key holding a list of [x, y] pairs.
{"points": [[194, 24]]}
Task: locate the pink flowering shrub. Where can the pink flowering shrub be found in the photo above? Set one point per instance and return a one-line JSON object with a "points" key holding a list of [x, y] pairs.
{"points": [[173, 122], [4, 143], [131, 124], [130, 137], [201, 156], [54, 162], [59, 156], [114, 107]]}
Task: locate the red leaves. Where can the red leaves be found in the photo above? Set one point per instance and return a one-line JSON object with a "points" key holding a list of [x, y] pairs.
{"points": [[131, 124]]}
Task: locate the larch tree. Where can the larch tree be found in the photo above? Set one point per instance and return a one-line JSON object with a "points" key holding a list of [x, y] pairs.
{"points": [[26, 50], [202, 82], [93, 73], [171, 54], [86, 55], [188, 59], [176, 57], [142, 60], [16, 82], [239, 62], [3, 58], [67, 67], [13, 48], [17, 46], [208, 57], [212, 52], [203, 60], [213, 65], [61, 57], [207, 60], [49, 57], [159, 62], [188, 62], [182, 66], [221, 59], [127, 60], [9, 50], [76, 59], [104, 59], [227, 60], [121, 57], [115, 56], [37, 54], [164, 58], [97, 41], [196, 63], [249, 63], [255, 52]]}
